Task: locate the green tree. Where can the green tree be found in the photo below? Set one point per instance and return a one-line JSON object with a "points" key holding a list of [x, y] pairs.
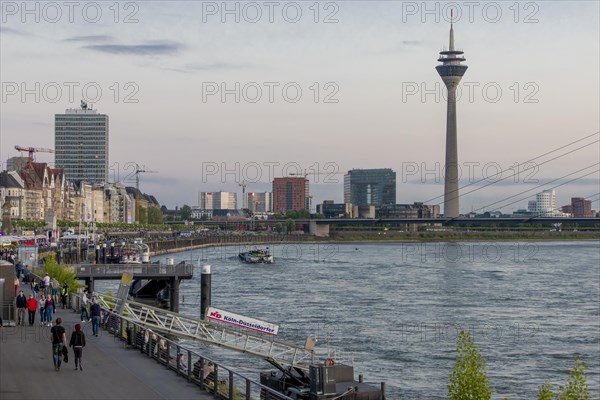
{"points": [[469, 379], [290, 225], [155, 216], [61, 272], [279, 227], [577, 387], [185, 212], [545, 392], [142, 215]]}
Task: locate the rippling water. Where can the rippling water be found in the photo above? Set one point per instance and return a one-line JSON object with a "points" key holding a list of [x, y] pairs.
{"points": [[532, 307]]}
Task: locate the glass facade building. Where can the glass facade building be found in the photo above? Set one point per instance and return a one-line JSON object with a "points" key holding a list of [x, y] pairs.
{"points": [[366, 187], [81, 145]]}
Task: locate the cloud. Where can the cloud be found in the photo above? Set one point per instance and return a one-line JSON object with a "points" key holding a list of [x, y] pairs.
{"points": [[90, 38], [11, 31], [217, 66], [149, 49]]}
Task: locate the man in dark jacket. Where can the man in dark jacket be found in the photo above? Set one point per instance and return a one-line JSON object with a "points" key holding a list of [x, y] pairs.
{"points": [[95, 309], [21, 303]]}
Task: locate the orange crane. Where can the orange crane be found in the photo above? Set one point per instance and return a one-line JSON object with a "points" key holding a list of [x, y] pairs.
{"points": [[139, 171], [32, 150]]}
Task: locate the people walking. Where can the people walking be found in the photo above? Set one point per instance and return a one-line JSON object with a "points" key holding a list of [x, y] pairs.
{"points": [[21, 303], [64, 292], [84, 310], [49, 309], [59, 339], [78, 343], [43, 310], [96, 316], [16, 287], [32, 305]]}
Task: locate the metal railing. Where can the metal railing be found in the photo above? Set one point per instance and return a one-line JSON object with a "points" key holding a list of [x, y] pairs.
{"points": [[276, 352], [98, 271], [196, 368]]}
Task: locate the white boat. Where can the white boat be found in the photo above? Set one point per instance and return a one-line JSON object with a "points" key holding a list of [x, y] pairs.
{"points": [[257, 256]]}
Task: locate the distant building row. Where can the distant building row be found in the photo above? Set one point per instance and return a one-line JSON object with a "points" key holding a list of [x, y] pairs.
{"points": [[32, 191]]}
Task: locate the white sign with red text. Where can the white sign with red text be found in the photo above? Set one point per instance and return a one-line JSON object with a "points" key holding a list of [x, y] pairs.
{"points": [[241, 321]]}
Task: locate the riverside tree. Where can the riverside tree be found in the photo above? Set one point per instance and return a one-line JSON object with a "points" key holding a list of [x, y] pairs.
{"points": [[575, 389], [468, 379]]}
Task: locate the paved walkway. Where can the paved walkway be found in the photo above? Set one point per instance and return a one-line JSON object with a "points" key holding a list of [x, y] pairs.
{"points": [[109, 370]]}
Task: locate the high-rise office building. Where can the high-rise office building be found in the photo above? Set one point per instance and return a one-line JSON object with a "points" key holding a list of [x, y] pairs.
{"points": [[259, 201], [81, 144], [217, 200], [370, 187], [290, 194]]}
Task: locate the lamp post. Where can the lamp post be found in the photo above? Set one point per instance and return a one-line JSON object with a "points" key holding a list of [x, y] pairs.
{"points": [[104, 253]]}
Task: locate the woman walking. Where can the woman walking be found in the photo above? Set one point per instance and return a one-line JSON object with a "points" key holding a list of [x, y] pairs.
{"points": [[43, 310], [49, 308], [77, 343]]}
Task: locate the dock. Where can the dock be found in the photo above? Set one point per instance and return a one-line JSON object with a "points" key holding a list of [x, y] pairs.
{"points": [[172, 275]]}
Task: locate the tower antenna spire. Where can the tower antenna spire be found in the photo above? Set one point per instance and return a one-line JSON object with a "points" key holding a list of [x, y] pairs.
{"points": [[451, 47]]}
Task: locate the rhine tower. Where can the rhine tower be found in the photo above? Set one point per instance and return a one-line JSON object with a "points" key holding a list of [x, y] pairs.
{"points": [[451, 70]]}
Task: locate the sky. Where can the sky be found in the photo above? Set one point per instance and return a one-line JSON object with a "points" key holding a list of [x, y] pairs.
{"points": [[210, 94]]}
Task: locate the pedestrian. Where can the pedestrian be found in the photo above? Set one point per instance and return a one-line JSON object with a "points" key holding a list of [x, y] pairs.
{"points": [[46, 283], [96, 316], [19, 269], [26, 274], [84, 310], [32, 305], [49, 309], [43, 310], [63, 295], [21, 303], [16, 286], [78, 343], [54, 288], [59, 340]]}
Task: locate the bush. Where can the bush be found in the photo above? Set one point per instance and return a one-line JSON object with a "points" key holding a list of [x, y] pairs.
{"points": [[468, 380]]}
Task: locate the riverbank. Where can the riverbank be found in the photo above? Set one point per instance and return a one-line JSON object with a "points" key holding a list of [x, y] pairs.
{"points": [[179, 245]]}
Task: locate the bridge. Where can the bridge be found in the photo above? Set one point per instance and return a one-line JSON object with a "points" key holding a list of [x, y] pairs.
{"points": [[172, 275], [320, 227]]}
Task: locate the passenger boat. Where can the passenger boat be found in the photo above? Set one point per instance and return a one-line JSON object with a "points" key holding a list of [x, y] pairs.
{"points": [[257, 256]]}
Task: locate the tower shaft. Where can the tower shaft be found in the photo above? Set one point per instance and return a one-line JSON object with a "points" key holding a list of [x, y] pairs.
{"points": [[451, 176]]}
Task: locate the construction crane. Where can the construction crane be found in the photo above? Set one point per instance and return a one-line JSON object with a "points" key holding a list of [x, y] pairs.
{"points": [[139, 171], [32, 150], [243, 186], [316, 173]]}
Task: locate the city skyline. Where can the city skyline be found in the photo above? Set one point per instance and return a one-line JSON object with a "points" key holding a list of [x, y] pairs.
{"points": [[390, 110]]}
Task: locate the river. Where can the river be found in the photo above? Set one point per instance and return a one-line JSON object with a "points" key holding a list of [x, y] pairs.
{"points": [[396, 308]]}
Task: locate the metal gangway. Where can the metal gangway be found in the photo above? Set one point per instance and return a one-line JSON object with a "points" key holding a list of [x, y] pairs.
{"points": [[279, 353]]}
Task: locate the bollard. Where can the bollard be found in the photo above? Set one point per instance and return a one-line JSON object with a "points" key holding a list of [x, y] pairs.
{"points": [[360, 378], [382, 390], [205, 290]]}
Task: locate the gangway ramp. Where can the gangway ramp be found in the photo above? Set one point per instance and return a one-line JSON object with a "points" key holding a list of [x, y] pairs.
{"points": [[279, 353]]}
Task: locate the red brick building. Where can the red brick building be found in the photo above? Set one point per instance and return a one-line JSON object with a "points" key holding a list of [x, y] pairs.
{"points": [[290, 194], [580, 208]]}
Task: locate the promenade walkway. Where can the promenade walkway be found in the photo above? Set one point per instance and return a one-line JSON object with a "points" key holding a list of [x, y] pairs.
{"points": [[109, 370]]}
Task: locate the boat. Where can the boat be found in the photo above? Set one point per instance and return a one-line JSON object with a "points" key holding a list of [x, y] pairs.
{"points": [[257, 256]]}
